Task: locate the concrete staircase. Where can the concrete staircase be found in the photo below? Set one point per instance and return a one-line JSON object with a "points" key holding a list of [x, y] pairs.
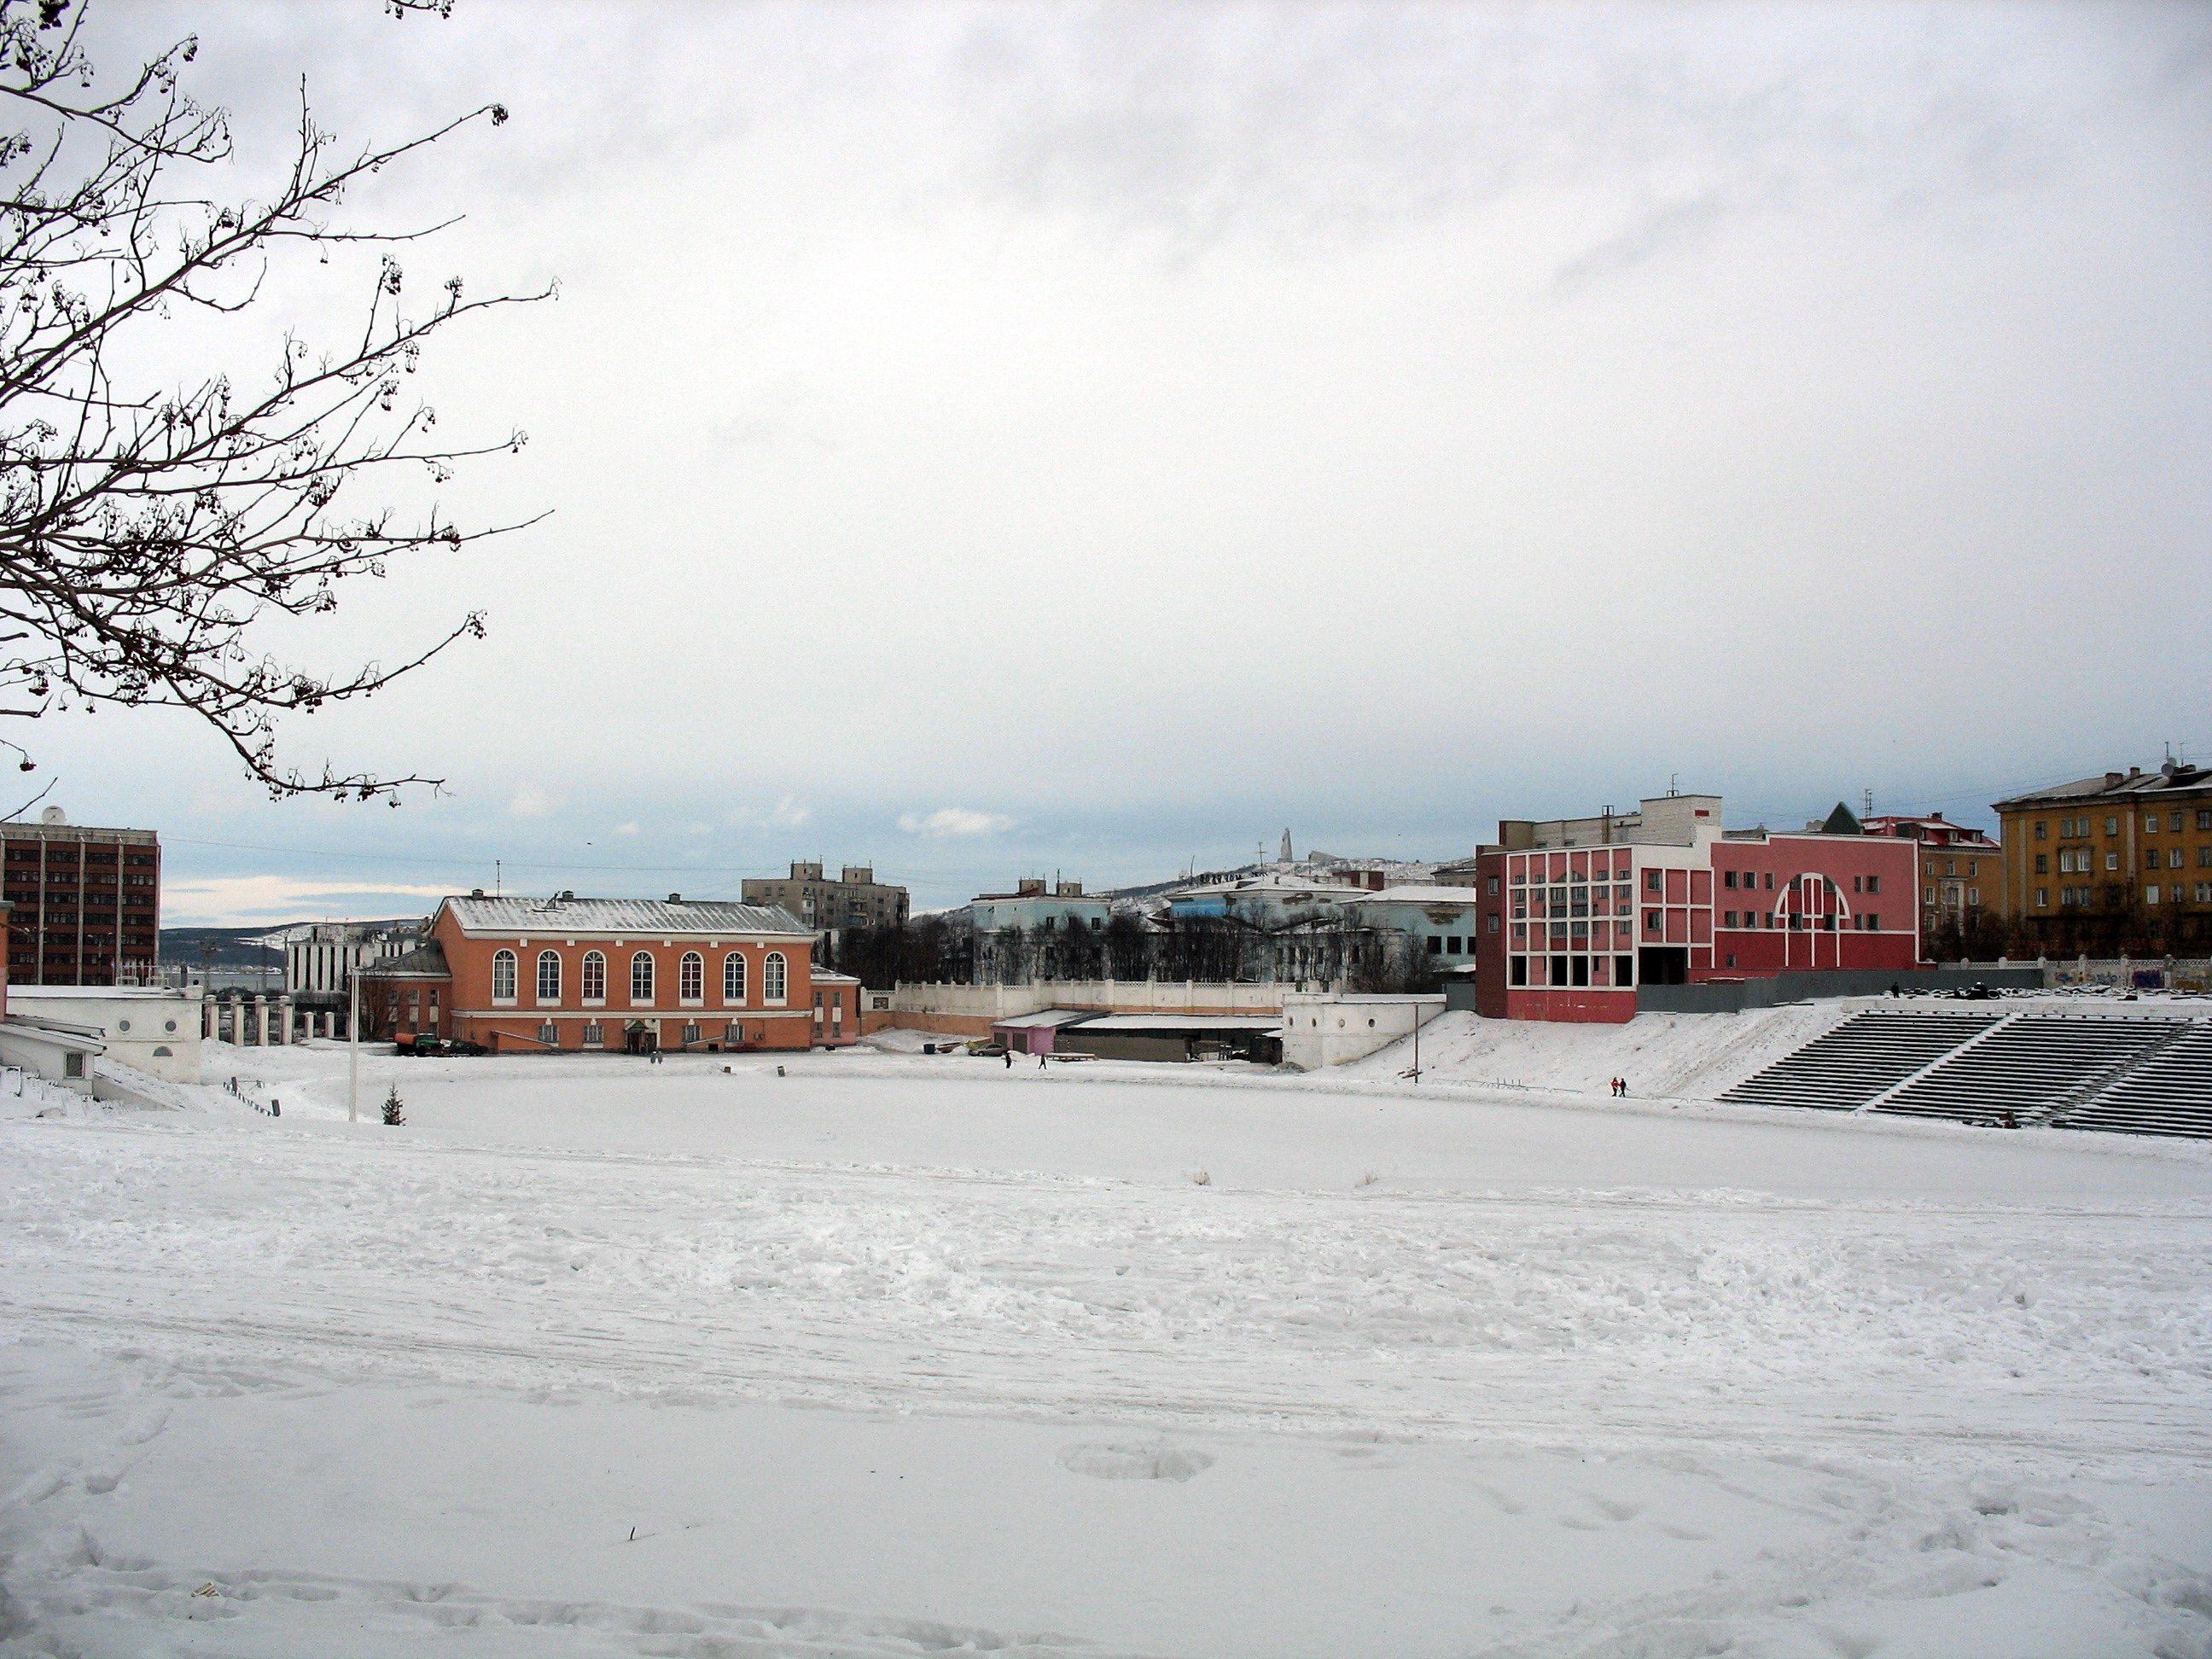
{"points": [[2167, 1091], [1862, 1060], [2031, 1067]]}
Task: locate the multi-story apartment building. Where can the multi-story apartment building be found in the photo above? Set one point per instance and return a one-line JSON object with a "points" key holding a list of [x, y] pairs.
{"points": [[1961, 870], [1578, 913], [2117, 862], [856, 899], [1031, 908], [86, 902]]}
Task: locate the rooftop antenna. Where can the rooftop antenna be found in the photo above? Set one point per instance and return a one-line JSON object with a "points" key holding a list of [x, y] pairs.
{"points": [[1671, 789], [1866, 799], [496, 877]]}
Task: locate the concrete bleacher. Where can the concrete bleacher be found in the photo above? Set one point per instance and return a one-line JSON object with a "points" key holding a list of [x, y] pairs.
{"points": [[1863, 1058], [2030, 1067], [2130, 1074], [2168, 1092]]}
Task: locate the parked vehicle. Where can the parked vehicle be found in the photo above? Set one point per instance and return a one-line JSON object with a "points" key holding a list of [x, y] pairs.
{"points": [[424, 1045]]}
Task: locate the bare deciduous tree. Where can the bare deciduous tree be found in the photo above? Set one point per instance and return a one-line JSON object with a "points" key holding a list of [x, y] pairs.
{"points": [[144, 527]]}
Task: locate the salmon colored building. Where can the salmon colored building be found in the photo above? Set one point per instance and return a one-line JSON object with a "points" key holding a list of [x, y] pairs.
{"points": [[1579, 915], [563, 973]]}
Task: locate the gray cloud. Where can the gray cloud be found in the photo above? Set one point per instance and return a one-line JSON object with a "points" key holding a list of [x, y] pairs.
{"points": [[1152, 424]]}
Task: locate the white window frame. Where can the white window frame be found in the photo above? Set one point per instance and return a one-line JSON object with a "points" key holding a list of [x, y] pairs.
{"points": [[650, 978], [775, 980], [691, 980], [593, 959], [553, 958], [505, 965], [733, 969]]}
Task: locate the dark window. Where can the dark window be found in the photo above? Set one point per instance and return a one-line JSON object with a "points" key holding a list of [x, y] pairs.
{"points": [[1520, 972], [1651, 881]]}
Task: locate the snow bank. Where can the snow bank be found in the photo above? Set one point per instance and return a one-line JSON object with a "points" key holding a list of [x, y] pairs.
{"points": [[896, 1356]]}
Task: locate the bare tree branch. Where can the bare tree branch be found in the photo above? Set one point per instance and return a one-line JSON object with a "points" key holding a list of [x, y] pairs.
{"points": [[144, 530]]}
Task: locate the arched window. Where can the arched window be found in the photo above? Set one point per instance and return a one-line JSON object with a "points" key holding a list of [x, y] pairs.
{"points": [[548, 976], [502, 974], [772, 977], [595, 977], [691, 976], [640, 977], [734, 977]]}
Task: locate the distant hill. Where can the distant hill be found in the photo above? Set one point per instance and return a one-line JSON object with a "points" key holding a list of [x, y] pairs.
{"points": [[1398, 872], [235, 947], [188, 947]]}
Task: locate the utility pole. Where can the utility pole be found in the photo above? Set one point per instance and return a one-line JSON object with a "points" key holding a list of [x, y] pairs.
{"points": [[353, 1043]]}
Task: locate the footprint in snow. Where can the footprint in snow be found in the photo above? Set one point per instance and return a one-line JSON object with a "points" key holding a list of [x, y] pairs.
{"points": [[1134, 1461]]}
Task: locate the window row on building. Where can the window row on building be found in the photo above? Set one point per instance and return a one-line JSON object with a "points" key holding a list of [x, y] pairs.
{"points": [[737, 986], [2174, 822]]}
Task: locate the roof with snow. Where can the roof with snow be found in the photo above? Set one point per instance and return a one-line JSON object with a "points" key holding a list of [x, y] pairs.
{"points": [[2173, 775], [720, 918], [428, 960], [1178, 1023], [1459, 896]]}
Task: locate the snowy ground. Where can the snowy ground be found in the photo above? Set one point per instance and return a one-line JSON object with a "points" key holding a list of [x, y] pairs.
{"points": [[896, 1355]]}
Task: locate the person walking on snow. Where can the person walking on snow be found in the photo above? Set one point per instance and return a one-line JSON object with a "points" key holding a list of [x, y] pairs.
{"points": [[1009, 1059], [1040, 1059]]}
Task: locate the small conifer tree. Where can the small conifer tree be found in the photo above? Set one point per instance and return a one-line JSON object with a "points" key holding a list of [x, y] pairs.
{"points": [[393, 1111]]}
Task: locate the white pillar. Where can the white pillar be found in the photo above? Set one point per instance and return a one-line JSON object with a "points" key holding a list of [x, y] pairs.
{"points": [[261, 1022]]}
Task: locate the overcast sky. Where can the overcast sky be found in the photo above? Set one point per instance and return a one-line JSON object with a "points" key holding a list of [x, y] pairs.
{"points": [[993, 440]]}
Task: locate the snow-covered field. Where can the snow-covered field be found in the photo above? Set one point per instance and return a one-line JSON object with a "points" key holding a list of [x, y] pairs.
{"points": [[903, 1355]]}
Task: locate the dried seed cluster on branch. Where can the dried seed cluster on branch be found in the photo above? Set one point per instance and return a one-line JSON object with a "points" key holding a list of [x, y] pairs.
{"points": [[144, 527]]}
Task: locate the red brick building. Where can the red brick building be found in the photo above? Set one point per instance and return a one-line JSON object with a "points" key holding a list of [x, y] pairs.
{"points": [[597, 974], [86, 902], [1578, 914]]}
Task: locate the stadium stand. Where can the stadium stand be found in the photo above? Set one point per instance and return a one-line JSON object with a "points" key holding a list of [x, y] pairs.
{"points": [[1861, 1060], [2031, 1066], [2168, 1092]]}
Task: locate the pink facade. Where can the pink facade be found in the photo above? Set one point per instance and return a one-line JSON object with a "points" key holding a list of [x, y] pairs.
{"points": [[1569, 933]]}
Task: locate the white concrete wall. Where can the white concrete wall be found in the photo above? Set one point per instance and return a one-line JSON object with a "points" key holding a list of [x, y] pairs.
{"points": [[1123, 996], [1334, 1030], [139, 1024], [44, 1055]]}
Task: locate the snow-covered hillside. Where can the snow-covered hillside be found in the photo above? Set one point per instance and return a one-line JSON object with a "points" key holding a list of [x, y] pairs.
{"points": [[1681, 1056], [901, 1355]]}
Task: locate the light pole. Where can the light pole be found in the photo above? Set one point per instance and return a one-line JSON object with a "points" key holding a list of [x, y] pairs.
{"points": [[353, 1042]]}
